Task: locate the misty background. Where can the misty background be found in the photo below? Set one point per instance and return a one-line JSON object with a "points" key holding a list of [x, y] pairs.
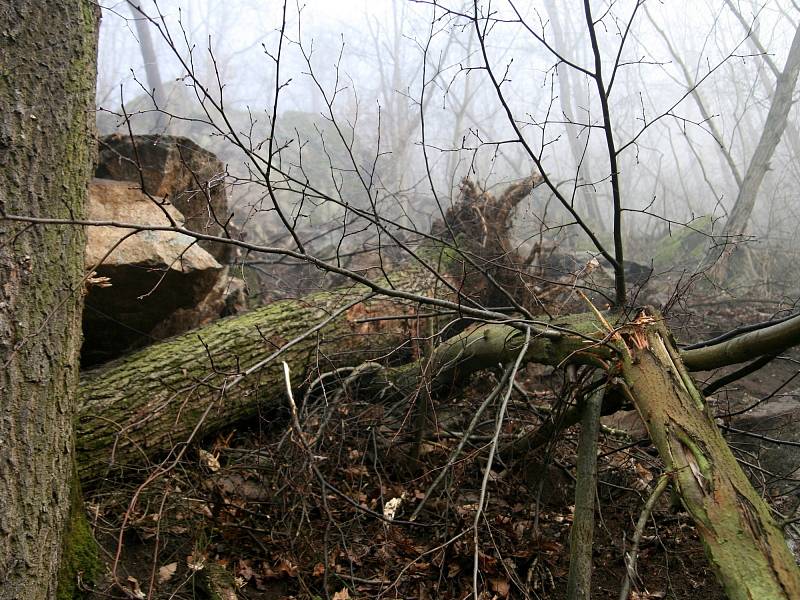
{"points": [[387, 105]]}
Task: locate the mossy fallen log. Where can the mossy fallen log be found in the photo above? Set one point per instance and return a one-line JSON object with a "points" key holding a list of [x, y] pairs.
{"points": [[744, 545], [138, 408]]}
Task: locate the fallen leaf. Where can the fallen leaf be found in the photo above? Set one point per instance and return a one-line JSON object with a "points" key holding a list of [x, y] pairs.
{"points": [[208, 460], [245, 570], [283, 568], [501, 586], [391, 507], [134, 591], [166, 572], [344, 594]]}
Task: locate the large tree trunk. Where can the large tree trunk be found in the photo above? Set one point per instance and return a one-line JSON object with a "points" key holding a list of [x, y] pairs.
{"points": [[46, 94], [744, 545], [137, 408]]}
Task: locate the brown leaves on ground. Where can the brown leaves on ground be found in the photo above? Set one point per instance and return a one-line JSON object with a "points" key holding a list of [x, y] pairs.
{"points": [[264, 518]]}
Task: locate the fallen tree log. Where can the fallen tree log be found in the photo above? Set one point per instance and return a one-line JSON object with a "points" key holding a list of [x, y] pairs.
{"points": [[764, 339], [141, 406], [746, 548], [138, 408]]}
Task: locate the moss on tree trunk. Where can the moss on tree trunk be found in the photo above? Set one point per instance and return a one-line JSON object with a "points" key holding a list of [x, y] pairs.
{"points": [[138, 408], [80, 562]]}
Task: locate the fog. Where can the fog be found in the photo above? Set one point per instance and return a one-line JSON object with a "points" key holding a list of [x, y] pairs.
{"points": [[387, 105]]}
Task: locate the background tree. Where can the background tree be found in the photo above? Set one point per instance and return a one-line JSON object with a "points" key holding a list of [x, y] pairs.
{"points": [[771, 134], [151, 69]]}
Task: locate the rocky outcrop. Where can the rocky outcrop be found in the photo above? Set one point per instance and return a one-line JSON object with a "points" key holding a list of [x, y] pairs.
{"points": [[178, 170], [161, 282]]}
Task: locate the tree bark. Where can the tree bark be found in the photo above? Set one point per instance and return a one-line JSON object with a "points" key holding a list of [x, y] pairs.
{"points": [[139, 407], [581, 534], [766, 341], [744, 545], [47, 84]]}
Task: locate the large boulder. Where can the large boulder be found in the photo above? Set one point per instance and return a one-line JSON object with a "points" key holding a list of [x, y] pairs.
{"points": [[177, 169], [153, 274]]}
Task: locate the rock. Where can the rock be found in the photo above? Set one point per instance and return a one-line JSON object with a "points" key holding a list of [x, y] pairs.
{"points": [[226, 298], [683, 247], [775, 419], [188, 176], [153, 274]]}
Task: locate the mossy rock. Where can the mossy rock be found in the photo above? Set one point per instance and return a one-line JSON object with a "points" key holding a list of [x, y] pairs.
{"points": [[684, 246]]}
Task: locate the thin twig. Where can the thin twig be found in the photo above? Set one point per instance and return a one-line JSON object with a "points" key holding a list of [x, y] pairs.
{"points": [[630, 557], [464, 438]]}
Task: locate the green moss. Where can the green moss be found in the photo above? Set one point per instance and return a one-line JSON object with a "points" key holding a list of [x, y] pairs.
{"points": [[683, 246], [583, 243], [79, 560], [80, 564], [444, 258], [214, 582]]}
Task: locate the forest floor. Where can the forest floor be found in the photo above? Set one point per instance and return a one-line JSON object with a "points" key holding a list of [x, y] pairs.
{"points": [[256, 511]]}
